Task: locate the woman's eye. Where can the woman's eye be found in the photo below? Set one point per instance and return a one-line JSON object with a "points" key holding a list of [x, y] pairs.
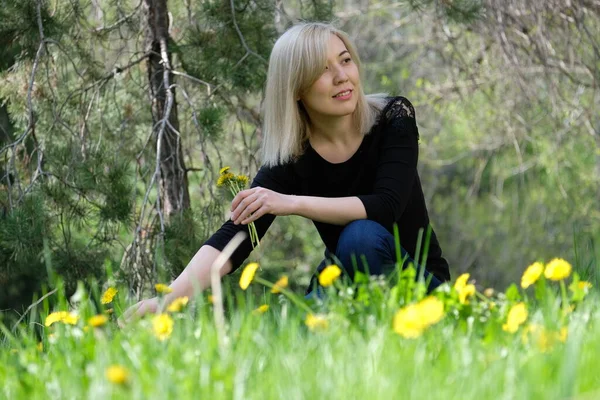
{"points": [[347, 60]]}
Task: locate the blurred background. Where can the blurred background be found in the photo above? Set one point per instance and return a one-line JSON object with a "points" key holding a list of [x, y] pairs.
{"points": [[105, 176]]}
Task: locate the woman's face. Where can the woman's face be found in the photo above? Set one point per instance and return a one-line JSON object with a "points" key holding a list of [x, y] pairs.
{"points": [[334, 94]]}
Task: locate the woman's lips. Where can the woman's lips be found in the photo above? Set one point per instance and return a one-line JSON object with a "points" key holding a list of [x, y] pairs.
{"points": [[346, 96]]}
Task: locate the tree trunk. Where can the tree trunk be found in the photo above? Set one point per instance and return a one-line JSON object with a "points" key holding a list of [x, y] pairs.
{"points": [[173, 182]]}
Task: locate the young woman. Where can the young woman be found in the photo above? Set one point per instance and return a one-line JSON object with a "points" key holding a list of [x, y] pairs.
{"points": [[345, 160]]}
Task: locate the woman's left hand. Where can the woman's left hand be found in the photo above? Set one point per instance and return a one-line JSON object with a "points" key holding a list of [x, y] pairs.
{"points": [[251, 204]]}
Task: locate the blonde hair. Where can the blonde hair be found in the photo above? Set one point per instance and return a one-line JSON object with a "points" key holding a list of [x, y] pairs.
{"points": [[296, 62]]}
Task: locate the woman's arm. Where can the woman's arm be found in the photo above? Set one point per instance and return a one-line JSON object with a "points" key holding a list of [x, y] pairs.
{"points": [[249, 205], [336, 211], [194, 278], [396, 168], [196, 275]]}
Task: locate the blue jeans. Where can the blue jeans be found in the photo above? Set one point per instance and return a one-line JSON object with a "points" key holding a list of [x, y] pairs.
{"points": [[368, 239]]}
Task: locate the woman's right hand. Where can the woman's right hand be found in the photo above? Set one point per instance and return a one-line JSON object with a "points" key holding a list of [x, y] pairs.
{"points": [[138, 310]]}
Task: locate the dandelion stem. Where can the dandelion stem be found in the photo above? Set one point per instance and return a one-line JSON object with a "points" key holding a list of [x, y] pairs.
{"points": [[482, 297], [563, 294], [287, 293]]}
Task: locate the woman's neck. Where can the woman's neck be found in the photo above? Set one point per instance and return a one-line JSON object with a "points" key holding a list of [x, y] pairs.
{"points": [[336, 131]]}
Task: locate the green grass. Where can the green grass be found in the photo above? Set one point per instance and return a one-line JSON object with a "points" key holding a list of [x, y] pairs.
{"points": [[467, 355]]}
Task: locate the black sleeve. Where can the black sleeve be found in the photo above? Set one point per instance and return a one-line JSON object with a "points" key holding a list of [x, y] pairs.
{"points": [[396, 167], [275, 178]]}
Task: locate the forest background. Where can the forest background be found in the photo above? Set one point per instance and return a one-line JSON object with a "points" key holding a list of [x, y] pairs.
{"points": [[116, 116]]}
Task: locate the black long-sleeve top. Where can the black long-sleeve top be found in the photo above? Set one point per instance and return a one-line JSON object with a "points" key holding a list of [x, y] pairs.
{"points": [[382, 173]]}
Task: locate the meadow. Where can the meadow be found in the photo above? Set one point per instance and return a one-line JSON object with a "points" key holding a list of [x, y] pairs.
{"points": [[375, 338], [506, 97]]}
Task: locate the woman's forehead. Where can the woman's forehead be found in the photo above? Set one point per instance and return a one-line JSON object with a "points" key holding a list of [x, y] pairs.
{"points": [[335, 46]]}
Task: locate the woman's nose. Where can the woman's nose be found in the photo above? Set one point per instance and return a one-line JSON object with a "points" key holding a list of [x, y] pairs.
{"points": [[340, 75]]}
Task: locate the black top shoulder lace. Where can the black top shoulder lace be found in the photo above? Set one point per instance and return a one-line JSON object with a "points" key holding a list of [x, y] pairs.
{"points": [[397, 110], [400, 107]]}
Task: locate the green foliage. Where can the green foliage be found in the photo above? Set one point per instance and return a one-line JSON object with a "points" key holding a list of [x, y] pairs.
{"points": [[214, 50], [460, 11], [211, 119], [79, 208], [22, 231], [316, 10], [182, 238], [20, 31]]}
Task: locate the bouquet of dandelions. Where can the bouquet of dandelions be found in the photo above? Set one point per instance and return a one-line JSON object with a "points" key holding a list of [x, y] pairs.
{"points": [[235, 184]]}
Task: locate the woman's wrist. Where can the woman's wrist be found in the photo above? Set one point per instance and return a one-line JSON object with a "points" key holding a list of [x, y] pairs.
{"points": [[295, 205]]}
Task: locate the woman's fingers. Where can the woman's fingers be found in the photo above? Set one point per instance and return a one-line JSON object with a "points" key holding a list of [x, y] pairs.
{"points": [[132, 310], [250, 210], [242, 207], [138, 310], [255, 215], [240, 197], [124, 319]]}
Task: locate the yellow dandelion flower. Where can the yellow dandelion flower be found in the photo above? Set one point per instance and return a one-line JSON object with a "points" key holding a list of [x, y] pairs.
{"points": [[411, 321], [563, 334], [584, 285], [162, 288], [461, 282], [242, 180], [408, 322], [108, 295], [544, 338], [527, 331], [282, 283], [224, 170], [465, 293], [432, 310], [71, 319], [548, 338], [516, 316], [316, 322], [117, 374], [532, 274], [98, 320], [225, 178], [568, 309], [557, 269], [329, 275], [61, 316], [54, 317], [162, 326], [248, 275], [177, 304], [261, 310]]}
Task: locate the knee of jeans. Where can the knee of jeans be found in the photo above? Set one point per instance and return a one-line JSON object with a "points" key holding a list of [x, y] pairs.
{"points": [[360, 234]]}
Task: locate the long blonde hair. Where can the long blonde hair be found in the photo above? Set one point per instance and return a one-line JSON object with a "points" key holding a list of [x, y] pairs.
{"points": [[296, 62]]}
